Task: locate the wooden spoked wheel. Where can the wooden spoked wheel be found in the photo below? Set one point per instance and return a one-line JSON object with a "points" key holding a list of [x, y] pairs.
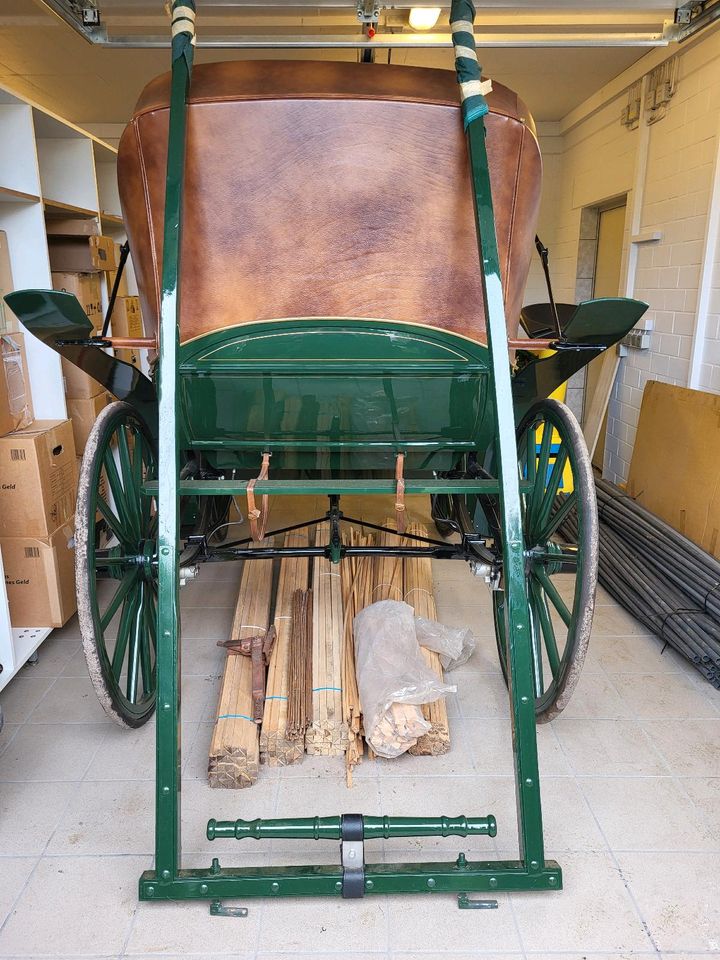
{"points": [[561, 569], [115, 564]]}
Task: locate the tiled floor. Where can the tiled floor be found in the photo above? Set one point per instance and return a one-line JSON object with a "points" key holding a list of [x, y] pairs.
{"points": [[630, 783]]}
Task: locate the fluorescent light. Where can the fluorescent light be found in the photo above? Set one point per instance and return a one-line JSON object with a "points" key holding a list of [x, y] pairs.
{"points": [[424, 18]]}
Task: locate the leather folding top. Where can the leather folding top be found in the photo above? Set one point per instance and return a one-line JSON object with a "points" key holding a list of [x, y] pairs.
{"points": [[328, 189]]}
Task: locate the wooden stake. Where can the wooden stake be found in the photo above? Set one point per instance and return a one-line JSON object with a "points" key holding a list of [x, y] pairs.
{"points": [[276, 748], [234, 748], [328, 733], [418, 587]]}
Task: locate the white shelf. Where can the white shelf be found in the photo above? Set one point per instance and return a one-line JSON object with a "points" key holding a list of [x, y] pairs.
{"points": [[48, 168]]}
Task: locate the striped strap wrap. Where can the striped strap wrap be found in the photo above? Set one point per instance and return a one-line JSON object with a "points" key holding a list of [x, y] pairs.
{"points": [[183, 27], [472, 87]]}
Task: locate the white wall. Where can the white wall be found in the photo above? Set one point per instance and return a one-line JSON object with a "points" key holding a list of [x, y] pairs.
{"points": [[595, 158]]}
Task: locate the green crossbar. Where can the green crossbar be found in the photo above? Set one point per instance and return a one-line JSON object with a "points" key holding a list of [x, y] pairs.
{"points": [[232, 488]]}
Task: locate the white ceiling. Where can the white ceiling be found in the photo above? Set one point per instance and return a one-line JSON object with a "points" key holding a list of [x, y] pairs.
{"points": [[44, 59]]}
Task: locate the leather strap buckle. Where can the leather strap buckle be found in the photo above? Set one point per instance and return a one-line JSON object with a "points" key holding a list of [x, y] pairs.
{"points": [[258, 648], [258, 532]]}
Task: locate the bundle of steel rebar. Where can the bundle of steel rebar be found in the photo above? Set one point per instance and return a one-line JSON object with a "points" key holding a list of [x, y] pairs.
{"points": [[662, 578]]}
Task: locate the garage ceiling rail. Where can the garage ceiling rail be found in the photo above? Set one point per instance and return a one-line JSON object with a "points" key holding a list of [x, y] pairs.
{"points": [[359, 24]]}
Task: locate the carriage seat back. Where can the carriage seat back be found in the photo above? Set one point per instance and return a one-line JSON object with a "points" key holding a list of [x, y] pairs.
{"points": [[328, 190]]}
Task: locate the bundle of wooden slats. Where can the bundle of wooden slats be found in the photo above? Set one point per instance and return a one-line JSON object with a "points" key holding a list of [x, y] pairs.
{"points": [[234, 748], [419, 594], [327, 734], [357, 584], [276, 748], [300, 675], [398, 729]]}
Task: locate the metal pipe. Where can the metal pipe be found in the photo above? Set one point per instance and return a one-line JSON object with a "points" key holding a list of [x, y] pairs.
{"points": [[330, 828]]}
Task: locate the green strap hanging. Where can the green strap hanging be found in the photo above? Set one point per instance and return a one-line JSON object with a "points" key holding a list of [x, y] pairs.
{"points": [[469, 74]]}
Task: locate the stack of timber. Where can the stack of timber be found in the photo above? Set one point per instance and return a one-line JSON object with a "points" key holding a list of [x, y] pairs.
{"points": [[235, 748], [419, 595], [276, 747], [327, 733], [398, 730], [300, 676], [357, 584]]}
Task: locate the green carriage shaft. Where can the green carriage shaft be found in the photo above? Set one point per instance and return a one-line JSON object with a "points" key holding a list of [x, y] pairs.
{"points": [[336, 400]]}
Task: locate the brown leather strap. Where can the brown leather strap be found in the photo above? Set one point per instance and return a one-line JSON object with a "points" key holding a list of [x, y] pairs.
{"points": [[400, 493], [258, 533], [258, 648]]}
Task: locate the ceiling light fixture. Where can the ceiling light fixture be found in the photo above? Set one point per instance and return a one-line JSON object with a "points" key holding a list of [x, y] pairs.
{"points": [[424, 18]]}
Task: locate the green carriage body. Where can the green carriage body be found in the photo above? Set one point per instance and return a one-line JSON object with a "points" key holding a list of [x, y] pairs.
{"points": [[336, 400]]}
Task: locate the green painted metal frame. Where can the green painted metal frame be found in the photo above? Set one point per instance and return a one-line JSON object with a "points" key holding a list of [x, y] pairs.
{"points": [[168, 880]]}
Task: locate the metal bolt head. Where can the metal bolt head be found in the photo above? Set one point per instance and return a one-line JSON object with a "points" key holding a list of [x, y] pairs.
{"points": [[150, 891], [203, 888], [493, 882], [369, 884], [431, 882], [275, 887], [165, 874], [338, 885]]}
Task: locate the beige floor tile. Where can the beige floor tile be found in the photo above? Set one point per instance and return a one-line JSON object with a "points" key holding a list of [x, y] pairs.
{"points": [[613, 620], [608, 748], [592, 913], [187, 928], [421, 955], [199, 698], [86, 903], [705, 794], [210, 624], [7, 732], [445, 570], [676, 894], [568, 821], [324, 925], [484, 659], [20, 697], [200, 803], [76, 665], [29, 813], [130, 754], [195, 757], [689, 747], [651, 695], [434, 924], [325, 956], [648, 814], [595, 697], [69, 700], [15, 872], [632, 654], [459, 613], [53, 655], [202, 658], [51, 752], [107, 818], [207, 594], [481, 696], [491, 744]]}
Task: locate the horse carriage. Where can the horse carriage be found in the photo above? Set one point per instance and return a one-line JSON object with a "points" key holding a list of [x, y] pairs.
{"points": [[331, 260]]}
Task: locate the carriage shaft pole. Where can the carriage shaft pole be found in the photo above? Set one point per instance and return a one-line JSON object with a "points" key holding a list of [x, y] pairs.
{"points": [[330, 828]]}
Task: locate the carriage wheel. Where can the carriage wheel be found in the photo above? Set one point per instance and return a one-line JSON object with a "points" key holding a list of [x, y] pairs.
{"points": [[561, 569], [116, 575]]}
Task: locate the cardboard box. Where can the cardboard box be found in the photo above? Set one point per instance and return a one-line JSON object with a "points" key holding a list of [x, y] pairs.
{"points": [[86, 287], [8, 321], [16, 410], [674, 470], [83, 414], [81, 254], [78, 385], [126, 320], [38, 479], [40, 578], [123, 288], [71, 226]]}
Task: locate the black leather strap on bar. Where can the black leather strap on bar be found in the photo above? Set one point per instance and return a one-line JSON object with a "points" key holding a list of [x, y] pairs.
{"points": [[352, 856]]}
